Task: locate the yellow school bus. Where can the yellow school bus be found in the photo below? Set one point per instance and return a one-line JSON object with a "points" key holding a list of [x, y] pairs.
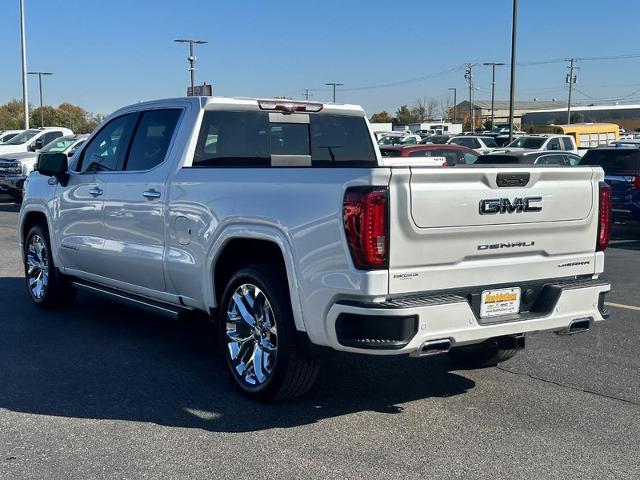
{"points": [[589, 135]]}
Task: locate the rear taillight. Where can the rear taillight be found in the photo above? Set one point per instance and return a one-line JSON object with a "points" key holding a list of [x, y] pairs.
{"points": [[636, 181], [366, 226], [604, 217]]}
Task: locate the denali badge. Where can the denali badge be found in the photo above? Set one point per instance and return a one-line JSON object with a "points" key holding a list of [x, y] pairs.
{"points": [[493, 246], [504, 205]]}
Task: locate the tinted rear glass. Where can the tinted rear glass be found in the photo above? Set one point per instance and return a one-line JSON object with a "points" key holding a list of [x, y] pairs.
{"points": [[613, 160], [528, 142], [496, 159], [247, 139], [489, 142]]}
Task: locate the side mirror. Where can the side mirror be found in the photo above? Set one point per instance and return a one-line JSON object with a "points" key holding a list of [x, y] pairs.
{"points": [[37, 145], [54, 165]]}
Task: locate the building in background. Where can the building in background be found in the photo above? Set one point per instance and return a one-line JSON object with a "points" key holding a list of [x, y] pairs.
{"points": [[625, 116], [482, 110]]}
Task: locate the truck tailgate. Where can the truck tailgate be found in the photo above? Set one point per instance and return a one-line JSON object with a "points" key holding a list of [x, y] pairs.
{"points": [[457, 227]]}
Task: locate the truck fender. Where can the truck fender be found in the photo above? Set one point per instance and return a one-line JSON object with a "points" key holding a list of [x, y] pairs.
{"points": [[258, 232]]}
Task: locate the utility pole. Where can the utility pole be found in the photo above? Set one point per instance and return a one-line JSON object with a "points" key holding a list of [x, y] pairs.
{"points": [[468, 75], [40, 74], [334, 85], [23, 43], [512, 88], [307, 94], [493, 86], [571, 79], [191, 58], [455, 102]]}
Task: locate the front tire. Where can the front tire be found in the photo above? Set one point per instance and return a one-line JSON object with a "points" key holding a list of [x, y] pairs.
{"points": [[258, 336], [46, 286], [482, 355]]}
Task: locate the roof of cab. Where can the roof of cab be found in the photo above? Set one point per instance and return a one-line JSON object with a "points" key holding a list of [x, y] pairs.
{"points": [[214, 103]]}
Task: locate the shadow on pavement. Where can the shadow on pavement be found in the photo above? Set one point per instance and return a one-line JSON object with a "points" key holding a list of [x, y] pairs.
{"points": [[102, 360]]}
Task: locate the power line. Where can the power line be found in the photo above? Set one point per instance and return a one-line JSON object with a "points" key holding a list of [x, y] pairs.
{"points": [[405, 82]]}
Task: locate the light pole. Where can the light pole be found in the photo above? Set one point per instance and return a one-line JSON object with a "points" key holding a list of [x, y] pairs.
{"points": [[191, 58], [334, 85], [23, 43], [40, 74], [468, 75], [455, 102], [493, 85], [571, 79], [512, 88]]}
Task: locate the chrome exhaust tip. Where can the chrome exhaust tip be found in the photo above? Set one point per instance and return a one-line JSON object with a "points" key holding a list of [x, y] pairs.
{"points": [[434, 347], [577, 325]]}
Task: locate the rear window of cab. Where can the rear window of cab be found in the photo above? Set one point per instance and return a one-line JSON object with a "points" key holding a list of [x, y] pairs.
{"points": [[249, 139]]}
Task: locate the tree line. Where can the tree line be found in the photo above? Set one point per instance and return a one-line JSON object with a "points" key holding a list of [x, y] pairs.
{"points": [[422, 110], [64, 115]]}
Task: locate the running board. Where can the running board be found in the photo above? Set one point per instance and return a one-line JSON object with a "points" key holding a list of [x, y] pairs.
{"points": [[160, 308]]}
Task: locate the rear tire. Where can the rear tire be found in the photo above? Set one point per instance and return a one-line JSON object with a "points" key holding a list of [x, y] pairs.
{"points": [[482, 355], [47, 287], [258, 336]]}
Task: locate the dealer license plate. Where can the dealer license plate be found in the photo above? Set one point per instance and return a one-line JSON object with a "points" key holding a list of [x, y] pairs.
{"points": [[500, 302]]}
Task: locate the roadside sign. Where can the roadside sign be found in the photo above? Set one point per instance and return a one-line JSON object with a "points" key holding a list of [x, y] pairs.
{"points": [[200, 91]]}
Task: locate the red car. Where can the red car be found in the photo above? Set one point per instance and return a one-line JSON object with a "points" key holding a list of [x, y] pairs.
{"points": [[454, 154]]}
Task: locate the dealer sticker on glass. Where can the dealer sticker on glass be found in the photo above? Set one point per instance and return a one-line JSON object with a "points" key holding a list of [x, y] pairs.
{"points": [[500, 302]]}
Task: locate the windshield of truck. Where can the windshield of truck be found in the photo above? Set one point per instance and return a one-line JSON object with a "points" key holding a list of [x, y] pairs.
{"points": [[389, 140], [528, 142], [58, 145], [23, 137], [248, 139]]}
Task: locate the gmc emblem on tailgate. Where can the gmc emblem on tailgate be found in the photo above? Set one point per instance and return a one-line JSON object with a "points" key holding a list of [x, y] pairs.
{"points": [[504, 205]]}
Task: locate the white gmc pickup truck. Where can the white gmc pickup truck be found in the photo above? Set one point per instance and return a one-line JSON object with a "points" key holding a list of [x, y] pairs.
{"points": [[281, 221]]}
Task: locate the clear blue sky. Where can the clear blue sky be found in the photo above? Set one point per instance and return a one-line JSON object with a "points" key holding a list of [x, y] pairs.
{"points": [[109, 53]]}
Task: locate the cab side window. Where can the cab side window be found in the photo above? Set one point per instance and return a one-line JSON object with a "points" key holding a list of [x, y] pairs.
{"points": [[106, 151], [568, 144], [50, 137], [554, 144], [152, 138]]}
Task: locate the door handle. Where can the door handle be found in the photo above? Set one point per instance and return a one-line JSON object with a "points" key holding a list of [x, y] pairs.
{"points": [[95, 191], [151, 194]]}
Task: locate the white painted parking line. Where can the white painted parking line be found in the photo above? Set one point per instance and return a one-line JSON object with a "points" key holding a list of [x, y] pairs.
{"points": [[621, 305]]}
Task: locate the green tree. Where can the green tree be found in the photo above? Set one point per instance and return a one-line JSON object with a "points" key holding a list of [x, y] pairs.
{"points": [[65, 115], [404, 116], [382, 117]]}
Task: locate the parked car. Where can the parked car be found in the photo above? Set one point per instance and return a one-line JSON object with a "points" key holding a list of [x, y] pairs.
{"points": [[436, 139], [452, 154], [482, 145], [530, 157], [622, 171], [280, 220], [7, 135], [392, 138], [15, 167], [410, 140], [542, 143], [633, 143], [33, 139]]}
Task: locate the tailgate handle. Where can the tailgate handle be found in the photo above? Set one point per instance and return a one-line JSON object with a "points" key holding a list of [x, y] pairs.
{"points": [[512, 179]]}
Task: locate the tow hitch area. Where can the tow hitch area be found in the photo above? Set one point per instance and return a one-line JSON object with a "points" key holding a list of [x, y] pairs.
{"points": [[578, 325]]}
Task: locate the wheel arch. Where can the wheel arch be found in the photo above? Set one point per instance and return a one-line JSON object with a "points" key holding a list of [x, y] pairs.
{"points": [[267, 242], [29, 216]]}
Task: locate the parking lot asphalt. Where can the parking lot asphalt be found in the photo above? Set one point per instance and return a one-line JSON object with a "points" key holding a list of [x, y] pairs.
{"points": [[106, 391]]}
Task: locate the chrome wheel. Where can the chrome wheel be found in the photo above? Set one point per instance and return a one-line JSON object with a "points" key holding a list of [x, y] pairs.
{"points": [[251, 335], [37, 267]]}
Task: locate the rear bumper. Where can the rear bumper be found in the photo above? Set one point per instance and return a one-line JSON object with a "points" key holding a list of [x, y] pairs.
{"points": [[426, 318]]}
